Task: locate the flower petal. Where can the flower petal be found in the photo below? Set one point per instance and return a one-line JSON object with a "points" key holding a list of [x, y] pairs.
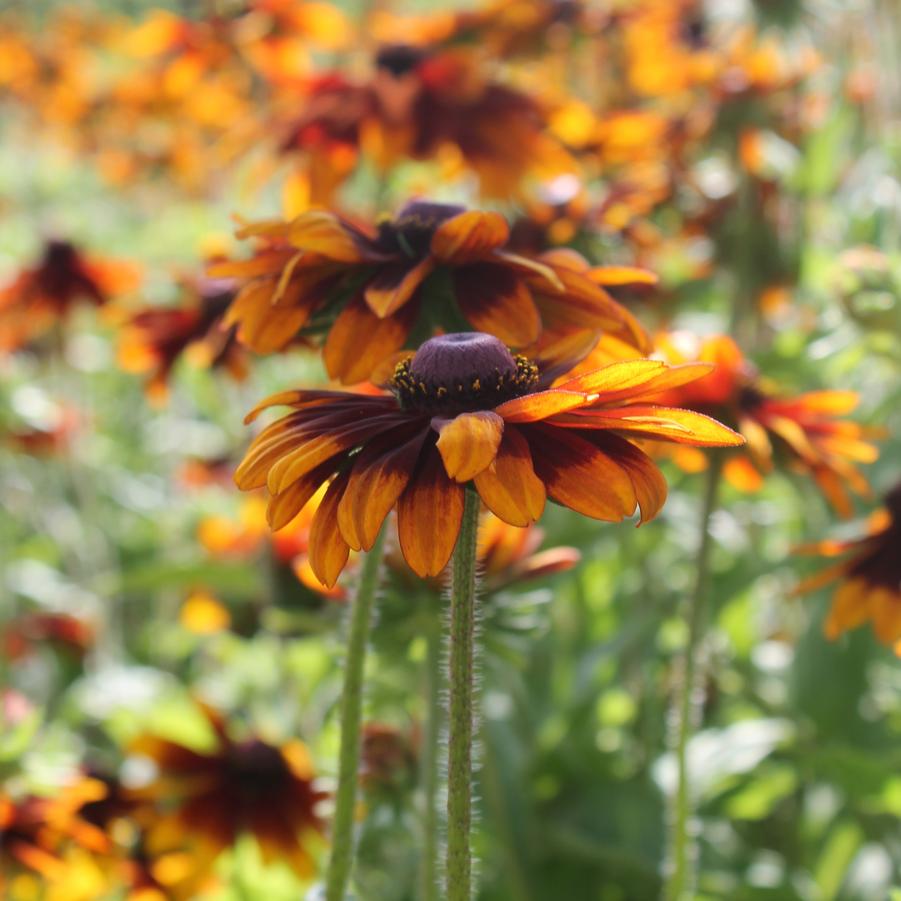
{"points": [[284, 507], [541, 405], [470, 236], [496, 300], [510, 489], [616, 377], [468, 443], [577, 474], [328, 549], [321, 232], [359, 340], [647, 479], [261, 326], [380, 474], [613, 276], [429, 513], [394, 285]]}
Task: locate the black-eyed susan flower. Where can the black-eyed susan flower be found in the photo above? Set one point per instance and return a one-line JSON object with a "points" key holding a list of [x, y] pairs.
{"points": [[207, 799], [44, 294], [868, 576], [153, 340], [432, 267], [464, 409]]}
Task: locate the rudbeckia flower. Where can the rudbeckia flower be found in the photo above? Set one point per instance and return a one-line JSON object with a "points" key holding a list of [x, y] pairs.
{"points": [[153, 340], [804, 431], [869, 577], [429, 268], [464, 409], [208, 799], [46, 293]]}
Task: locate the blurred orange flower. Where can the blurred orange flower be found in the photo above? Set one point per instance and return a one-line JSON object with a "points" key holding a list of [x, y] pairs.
{"points": [[869, 577], [429, 267]]}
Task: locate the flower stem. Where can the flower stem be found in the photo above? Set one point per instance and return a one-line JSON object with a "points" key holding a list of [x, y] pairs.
{"points": [[341, 860], [459, 763], [428, 878], [686, 707]]}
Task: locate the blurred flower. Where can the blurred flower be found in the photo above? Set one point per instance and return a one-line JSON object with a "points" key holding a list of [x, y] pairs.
{"points": [[803, 431], [50, 437], [45, 294], [869, 577], [207, 799], [204, 614], [426, 267], [508, 554], [63, 631], [389, 756], [153, 340], [37, 837], [462, 409]]}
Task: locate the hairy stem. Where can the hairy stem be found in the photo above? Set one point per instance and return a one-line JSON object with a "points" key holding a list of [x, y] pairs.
{"points": [[686, 707], [428, 877], [459, 763], [341, 860]]}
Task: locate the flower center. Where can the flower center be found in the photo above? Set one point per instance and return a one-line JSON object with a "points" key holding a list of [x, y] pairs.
{"points": [[398, 59], [462, 372], [256, 768], [410, 231]]}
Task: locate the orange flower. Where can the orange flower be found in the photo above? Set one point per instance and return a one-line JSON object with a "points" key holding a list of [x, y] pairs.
{"points": [[869, 576], [463, 409], [426, 269], [804, 430], [45, 294], [427, 103], [508, 554], [208, 799], [62, 630], [153, 340], [35, 831]]}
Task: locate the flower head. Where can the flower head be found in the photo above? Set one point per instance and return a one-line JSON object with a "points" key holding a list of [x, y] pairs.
{"points": [[869, 577], [430, 267], [238, 786], [464, 409]]}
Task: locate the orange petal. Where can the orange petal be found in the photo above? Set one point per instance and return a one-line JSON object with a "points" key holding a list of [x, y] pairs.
{"points": [[284, 507], [647, 479], [328, 550], [261, 326], [510, 489], [394, 285], [617, 378], [834, 402], [622, 275], [468, 443], [380, 474], [497, 301], [740, 473], [668, 423], [850, 608], [580, 476], [429, 513], [359, 340], [540, 405], [323, 233], [885, 608], [470, 236]]}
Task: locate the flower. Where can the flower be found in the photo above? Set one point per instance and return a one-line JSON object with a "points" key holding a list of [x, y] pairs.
{"points": [[430, 267], [153, 340], [869, 577], [23, 634], [45, 294], [208, 799], [464, 409], [803, 430]]}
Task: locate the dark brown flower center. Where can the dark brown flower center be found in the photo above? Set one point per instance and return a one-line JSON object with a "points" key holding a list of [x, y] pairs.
{"points": [[257, 768], [398, 59], [460, 372], [410, 231]]}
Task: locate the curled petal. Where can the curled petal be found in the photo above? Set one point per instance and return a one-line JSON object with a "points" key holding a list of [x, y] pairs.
{"points": [[394, 285], [647, 479], [468, 443], [429, 514], [328, 549], [470, 236], [510, 489], [320, 232]]}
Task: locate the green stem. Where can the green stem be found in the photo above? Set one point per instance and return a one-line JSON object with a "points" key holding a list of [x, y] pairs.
{"points": [[680, 876], [459, 760], [428, 877], [341, 861]]}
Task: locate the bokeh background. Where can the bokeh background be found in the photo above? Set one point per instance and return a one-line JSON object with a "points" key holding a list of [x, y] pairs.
{"points": [[746, 152]]}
